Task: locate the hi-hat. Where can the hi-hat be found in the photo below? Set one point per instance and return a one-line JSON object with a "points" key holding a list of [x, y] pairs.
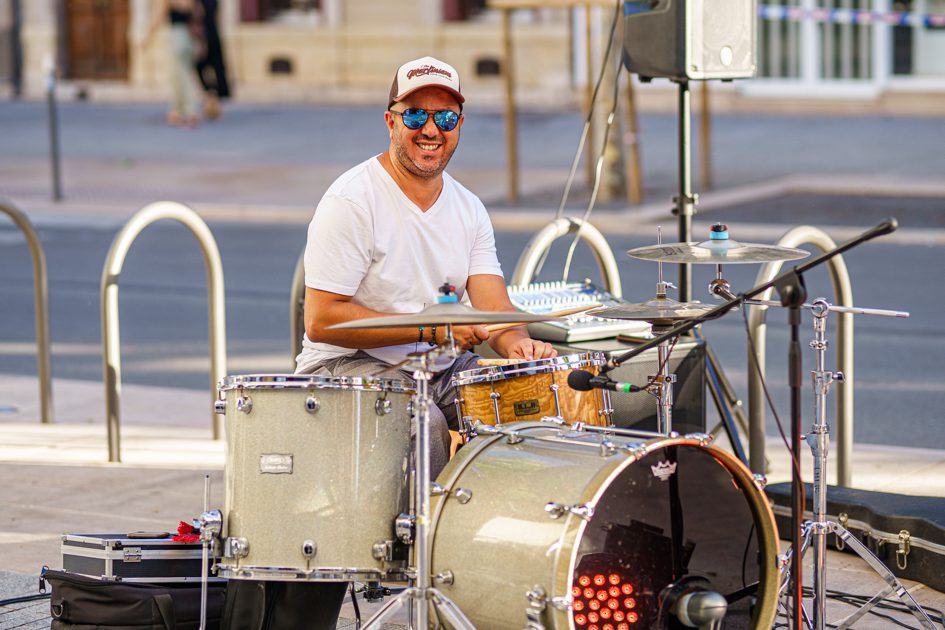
{"points": [[442, 314], [719, 249], [658, 311]]}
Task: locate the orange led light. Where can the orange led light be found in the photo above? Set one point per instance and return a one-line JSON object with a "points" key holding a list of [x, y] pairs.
{"points": [[599, 579], [580, 620], [602, 595], [632, 617], [629, 603], [623, 626], [593, 617], [594, 627], [613, 604], [576, 591], [584, 580], [626, 589], [594, 604], [605, 613], [614, 579], [589, 593], [613, 591], [608, 626], [578, 605], [619, 615]]}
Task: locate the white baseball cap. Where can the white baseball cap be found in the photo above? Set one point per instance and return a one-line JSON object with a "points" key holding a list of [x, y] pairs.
{"points": [[421, 73]]}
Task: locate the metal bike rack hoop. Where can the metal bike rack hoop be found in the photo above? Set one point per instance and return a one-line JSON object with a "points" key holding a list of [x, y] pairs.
{"points": [[542, 241], [109, 295], [296, 306], [41, 306], [840, 279]]}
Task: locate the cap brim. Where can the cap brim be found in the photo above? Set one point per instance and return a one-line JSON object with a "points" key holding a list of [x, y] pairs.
{"points": [[459, 97]]}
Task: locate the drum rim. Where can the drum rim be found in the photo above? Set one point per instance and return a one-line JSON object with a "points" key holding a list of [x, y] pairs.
{"points": [[567, 553], [493, 373], [314, 381]]}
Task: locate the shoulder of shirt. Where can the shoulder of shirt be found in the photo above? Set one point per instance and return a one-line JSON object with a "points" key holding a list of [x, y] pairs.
{"points": [[350, 186]]}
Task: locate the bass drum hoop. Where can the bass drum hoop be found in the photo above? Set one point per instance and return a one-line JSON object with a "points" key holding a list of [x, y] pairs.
{"points": [[765, 610]]}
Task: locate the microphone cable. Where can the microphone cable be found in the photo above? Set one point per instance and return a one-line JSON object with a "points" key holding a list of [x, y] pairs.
{"points": [[585, 131], [795, 457]]}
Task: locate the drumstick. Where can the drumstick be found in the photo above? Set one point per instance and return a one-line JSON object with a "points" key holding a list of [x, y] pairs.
{"points": [[568, 311]]}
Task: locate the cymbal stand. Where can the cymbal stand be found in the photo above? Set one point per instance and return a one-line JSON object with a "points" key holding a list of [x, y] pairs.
{"points": [[421, 594], [815, 531]]}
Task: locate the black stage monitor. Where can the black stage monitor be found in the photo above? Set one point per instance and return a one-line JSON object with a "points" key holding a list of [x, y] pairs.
{"points": [[690, 39]]}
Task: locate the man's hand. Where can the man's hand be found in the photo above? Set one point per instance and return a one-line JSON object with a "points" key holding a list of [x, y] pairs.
{"points": [[531, 349], [465, 336]]}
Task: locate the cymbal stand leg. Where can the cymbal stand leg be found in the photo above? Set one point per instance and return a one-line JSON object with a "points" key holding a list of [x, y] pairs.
{"points": [[819, 441], [422, 594], [664, 387]]}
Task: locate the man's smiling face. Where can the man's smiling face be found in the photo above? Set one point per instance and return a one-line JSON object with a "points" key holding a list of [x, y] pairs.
{"points": [[424, 152]]}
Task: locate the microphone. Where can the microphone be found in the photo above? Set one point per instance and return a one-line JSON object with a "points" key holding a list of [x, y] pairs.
{"points": [[701, 609], [584, 381]]}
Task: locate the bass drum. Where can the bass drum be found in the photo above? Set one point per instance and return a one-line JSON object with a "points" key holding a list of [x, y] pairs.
{"points": [[550, 527]]}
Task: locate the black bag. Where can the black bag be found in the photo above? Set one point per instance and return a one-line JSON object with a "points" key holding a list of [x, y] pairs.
{"points": [[257, 605], [78, 602]]}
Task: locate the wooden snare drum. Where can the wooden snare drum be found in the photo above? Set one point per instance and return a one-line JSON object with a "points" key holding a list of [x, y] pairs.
{"points": [[530, 390]]}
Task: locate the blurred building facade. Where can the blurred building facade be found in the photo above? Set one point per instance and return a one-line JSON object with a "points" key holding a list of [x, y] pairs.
{"points": [[346, 50]]}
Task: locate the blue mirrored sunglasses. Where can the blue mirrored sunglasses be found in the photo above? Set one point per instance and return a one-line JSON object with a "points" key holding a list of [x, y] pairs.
{"points": [[415, 118]]}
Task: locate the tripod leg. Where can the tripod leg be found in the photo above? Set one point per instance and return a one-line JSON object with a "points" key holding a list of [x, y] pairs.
{"points": [[726, 403], [390, 608], [450, 611], [894, 585]]}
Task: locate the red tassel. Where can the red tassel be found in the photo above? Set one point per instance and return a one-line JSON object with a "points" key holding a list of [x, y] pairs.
{"points": [[185, 533]]}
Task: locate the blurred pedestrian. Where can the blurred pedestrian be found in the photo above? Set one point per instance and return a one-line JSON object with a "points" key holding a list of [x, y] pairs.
{"points": [[181, 16], [211, 69]]}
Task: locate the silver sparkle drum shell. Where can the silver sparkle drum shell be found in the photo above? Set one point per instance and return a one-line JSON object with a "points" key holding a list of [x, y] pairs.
{"points": [[522, 515], [316, 473]]}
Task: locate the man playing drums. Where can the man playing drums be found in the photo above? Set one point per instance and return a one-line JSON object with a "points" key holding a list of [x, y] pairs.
{"points": [[388, 233]]}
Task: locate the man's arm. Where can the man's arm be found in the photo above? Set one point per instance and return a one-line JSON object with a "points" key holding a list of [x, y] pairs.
{"points": [[487, 292], [324, 309]]}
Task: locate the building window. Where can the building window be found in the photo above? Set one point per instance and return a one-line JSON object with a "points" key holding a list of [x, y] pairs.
{"points": [[460, 10], [279, 10]]}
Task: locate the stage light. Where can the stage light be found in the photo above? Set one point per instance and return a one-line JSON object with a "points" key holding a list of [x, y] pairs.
{"points": [[607, 607]]}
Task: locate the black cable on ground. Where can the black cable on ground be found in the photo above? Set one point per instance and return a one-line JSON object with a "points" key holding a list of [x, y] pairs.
{"points": [[24, 598]]}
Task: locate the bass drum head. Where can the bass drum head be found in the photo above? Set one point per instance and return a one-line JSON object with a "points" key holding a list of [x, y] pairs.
{"points": [[618, 529], [676, 521]]}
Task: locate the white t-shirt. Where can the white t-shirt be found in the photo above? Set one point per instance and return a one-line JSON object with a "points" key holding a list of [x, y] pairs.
{"points": [[368, 240]]}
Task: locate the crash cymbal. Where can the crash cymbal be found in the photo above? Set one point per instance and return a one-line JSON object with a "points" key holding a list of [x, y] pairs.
{"points": [[719, 249], [442, 314], [656, 311], [716, 252]]}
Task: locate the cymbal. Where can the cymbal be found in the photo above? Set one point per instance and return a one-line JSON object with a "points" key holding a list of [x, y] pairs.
{"points": [[656, 311], [716, 252], [442, 314]]}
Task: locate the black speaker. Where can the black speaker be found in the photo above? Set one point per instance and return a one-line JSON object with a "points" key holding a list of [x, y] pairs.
{"points": [[638, 410], [690, 39]]}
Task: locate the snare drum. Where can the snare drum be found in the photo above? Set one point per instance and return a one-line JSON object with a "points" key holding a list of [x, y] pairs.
{"points": [[543, 526], [530, 390], [316, 473]]}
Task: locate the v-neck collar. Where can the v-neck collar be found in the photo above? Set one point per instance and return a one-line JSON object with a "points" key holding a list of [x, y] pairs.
{"points": [[392, 183]]}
